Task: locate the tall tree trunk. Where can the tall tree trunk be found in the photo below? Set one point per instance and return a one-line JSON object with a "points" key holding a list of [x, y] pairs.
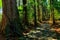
{"points": [[44, 13], [35, 19], [19, 2], [39, 10], [53, 16], [25, 12], [11, 19], [50, 21], [52, 11]]}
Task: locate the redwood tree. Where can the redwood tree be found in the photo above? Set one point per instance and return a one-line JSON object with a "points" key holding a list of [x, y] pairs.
{"points": [[10, 19]]}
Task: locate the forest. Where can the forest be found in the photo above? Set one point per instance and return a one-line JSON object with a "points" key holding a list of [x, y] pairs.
{"points": [[30, 19]]}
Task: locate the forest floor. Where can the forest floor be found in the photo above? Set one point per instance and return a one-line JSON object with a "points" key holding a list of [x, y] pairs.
{"points": [[2, 37], [42, 32]]}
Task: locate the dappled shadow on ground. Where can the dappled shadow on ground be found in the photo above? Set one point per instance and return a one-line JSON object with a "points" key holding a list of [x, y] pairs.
{"points": [[42, 32]]}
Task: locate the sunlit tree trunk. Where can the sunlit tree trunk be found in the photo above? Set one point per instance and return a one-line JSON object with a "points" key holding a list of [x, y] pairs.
{"points": [[38, 1], [52, 12], [41, 12], [10, 20], [50, 21]]}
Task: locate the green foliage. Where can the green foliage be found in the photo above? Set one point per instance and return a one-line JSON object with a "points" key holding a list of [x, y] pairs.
{"points": [[45, 3], [30, 10], [20, 7], [0, 3], [57, 15], [56, 4]]}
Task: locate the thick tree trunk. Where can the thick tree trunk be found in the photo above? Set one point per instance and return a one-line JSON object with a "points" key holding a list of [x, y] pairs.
{"points": [[10, 21], [4, 17]]}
